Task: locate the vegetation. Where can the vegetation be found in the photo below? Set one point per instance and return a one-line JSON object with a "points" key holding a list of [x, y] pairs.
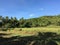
{"points": [[47, 38], [6, 22], [43, 30]]}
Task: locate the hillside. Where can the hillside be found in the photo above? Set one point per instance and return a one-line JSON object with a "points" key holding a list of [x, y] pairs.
{"points": [[42, 21]]}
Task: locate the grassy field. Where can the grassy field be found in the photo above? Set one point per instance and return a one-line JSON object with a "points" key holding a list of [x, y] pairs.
{"points": [[29, 31]]}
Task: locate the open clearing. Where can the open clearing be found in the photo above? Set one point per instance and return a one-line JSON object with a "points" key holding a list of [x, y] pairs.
{"points": [[30, 31]]}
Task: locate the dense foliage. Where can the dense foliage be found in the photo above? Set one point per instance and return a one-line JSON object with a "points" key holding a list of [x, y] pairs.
{"points": [[43, 21]]}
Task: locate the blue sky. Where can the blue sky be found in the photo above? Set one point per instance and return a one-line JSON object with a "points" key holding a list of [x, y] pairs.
{"points": [[29, 8]]}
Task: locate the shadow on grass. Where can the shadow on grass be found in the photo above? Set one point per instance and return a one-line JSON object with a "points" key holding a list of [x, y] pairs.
{"points": [[2, 34], [47, 38]]}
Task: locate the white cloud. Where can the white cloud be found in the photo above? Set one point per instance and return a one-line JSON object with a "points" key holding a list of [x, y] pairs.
{"points": [[31, 15]]}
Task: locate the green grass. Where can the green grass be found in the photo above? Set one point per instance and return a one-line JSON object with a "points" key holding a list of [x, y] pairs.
{"points": [[40, 29], [31, 31]]}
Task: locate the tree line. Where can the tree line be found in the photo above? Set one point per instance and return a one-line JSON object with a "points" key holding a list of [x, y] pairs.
{"points": [[42, 21]]}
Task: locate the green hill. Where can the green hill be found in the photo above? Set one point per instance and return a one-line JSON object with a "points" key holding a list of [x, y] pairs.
{"points": [[42, 21]]}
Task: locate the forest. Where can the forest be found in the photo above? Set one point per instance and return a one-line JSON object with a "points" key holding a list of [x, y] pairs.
{"points": [[42, 21]]}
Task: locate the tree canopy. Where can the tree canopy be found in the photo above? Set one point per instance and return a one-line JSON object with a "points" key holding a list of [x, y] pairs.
{"points": [[42, 21]]}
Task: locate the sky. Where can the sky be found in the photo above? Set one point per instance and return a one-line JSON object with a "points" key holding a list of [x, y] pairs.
{"points": [[29, 8]]}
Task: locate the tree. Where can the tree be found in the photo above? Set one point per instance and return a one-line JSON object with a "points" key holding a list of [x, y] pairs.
{"points": [[0, 23], [21, 22], [27, 24]]}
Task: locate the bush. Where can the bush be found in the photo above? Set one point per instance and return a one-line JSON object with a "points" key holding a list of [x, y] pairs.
{"points": [[20, 30], [4, 29]]}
